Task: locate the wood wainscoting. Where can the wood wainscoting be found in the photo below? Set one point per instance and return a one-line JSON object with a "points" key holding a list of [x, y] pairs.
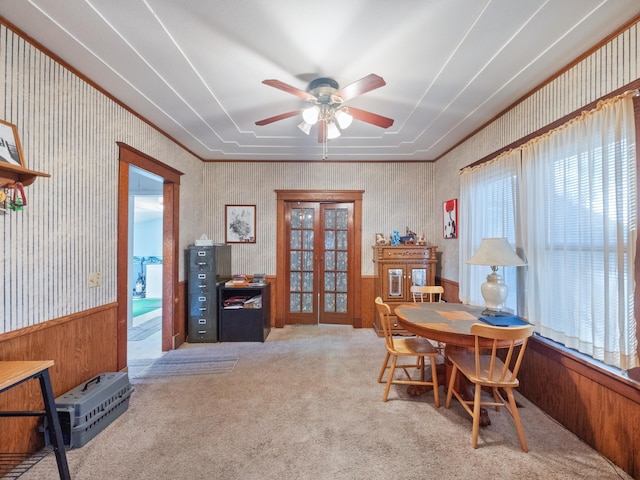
{"points": [[368, 299], [599, 407], [81, 345], [451, 290]]}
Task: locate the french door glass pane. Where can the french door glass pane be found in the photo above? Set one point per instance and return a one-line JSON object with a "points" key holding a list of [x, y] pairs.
{"points": [[307, 222], [301, 278], [329, 302], [294, 302], [342, 261], [307, 281], [329, 281], [330, 219], [335, 259], [330, 260], [342, 240], [329, 240], [341, 303], [307, 243], [343, 217], [308, 260], [307, 303], [296, 239], [296, 219], [295, 260], [294, 281]]}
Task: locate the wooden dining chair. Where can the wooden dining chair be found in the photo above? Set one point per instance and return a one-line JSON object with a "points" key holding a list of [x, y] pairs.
{"points": [[405, 347], [428, 294], [488, 370]]}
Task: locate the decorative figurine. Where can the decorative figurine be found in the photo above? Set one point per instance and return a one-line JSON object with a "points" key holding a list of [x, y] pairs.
{"points": [[409, 237], [380, 240]]}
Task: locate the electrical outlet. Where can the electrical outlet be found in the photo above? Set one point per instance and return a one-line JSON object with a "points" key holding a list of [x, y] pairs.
{"points": [[95, 279]]}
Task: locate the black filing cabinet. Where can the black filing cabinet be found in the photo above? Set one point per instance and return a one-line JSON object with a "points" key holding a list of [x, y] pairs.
{"points": [[245, 324], [202, 294]]}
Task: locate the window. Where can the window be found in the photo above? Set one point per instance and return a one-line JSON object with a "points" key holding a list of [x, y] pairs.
{"points": [[488, 208], [575, 218]]}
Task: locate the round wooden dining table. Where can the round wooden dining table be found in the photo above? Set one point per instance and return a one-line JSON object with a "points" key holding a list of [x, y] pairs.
{"points": [[449, 323]]}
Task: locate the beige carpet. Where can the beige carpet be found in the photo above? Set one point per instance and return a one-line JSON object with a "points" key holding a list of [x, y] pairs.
{"points": [[306, 405]]}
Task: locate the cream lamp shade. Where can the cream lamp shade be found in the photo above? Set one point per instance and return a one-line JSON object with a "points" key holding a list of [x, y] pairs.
{"points": [[495, 252]]}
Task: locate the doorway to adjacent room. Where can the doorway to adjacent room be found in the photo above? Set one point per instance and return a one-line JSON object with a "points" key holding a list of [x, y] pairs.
{"points": [[144, 325], [172, 330]]}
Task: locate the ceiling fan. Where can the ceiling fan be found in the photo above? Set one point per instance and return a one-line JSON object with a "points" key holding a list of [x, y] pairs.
{"points": [[328, 107]]}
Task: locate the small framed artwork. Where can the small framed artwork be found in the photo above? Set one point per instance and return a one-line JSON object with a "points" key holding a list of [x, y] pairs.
{"points": [[10, 148], [380, 240], [240, 223], [450, 218]]}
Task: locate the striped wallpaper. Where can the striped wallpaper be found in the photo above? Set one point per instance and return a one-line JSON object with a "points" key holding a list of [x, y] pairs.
{"points": [[68, 229], [396, 195]]}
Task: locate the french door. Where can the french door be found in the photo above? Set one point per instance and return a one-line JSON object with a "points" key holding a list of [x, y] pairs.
{"points": [[319, 247]]}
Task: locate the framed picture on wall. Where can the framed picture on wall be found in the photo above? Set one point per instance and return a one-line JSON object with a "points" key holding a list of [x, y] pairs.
{"points": [[10, 149], [240, 223], [450, 218]]}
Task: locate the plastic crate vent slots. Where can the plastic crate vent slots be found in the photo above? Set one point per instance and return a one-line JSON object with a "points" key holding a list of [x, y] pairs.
{"points": [[90, 407]]}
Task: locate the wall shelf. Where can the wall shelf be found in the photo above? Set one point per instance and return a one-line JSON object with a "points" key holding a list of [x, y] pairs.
{"points": [[14, 173]]}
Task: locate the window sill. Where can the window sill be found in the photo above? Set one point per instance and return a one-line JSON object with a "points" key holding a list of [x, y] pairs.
{"points": [[604, 375]]}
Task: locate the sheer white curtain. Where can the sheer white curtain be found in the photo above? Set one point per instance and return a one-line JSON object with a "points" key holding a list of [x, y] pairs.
{"points": [[578, 198], [488, 205]]}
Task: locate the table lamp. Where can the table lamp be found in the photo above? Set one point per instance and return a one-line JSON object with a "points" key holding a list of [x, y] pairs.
{"points": [[495, 252]]}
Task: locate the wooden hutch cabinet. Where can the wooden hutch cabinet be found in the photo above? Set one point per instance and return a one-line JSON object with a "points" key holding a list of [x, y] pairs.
{"points": [[396, 269]]}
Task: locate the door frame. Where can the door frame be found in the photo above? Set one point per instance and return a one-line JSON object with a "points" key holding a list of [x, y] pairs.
{"points": [[319, 196], [170, 236]]}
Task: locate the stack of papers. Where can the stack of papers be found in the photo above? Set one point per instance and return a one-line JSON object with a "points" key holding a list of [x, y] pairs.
{"points": [[235, 302]]}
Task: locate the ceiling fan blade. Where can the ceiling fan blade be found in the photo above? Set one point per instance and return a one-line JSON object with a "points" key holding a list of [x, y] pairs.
{"points": [[372, 118], [289, 89], [364, 85], [276, 118], [322, 131]]}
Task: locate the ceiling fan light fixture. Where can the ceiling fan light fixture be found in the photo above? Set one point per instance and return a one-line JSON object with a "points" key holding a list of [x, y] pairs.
{"points": [[311, 114], [305, 127], [326, 107], [332, 131], [343, 119]]}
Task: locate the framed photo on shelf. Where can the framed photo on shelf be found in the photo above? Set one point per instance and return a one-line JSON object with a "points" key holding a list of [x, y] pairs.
{"points": [[450, 218], [240, 223], [10, 148]]}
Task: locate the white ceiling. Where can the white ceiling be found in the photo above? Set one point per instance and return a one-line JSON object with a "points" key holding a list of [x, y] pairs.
{"points": [[194, 68]]}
